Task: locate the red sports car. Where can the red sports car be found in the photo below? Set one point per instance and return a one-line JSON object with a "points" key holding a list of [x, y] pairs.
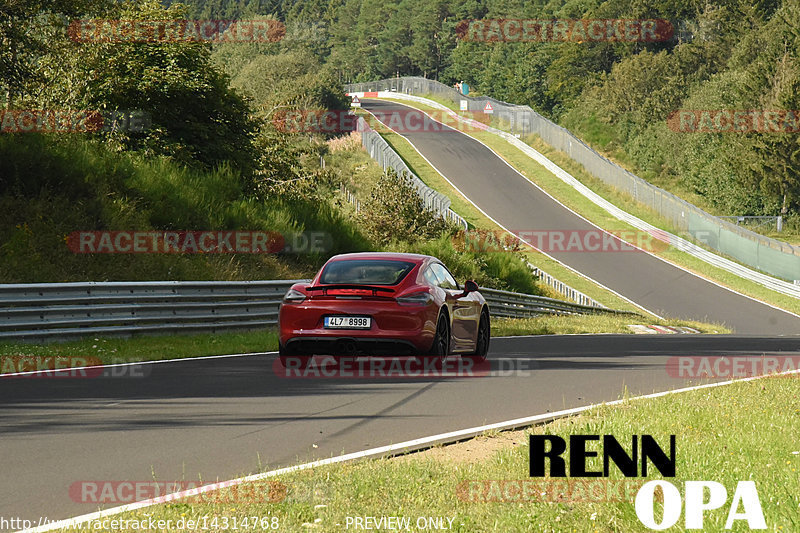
{"points": [[383, 303]]}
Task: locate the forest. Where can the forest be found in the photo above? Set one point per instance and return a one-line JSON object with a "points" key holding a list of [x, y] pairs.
{"points": [[208, 154], [723, 55]]}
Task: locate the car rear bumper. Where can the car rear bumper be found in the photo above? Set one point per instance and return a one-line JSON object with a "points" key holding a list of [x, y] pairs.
{"points": [[394, 329], [345, 345]]}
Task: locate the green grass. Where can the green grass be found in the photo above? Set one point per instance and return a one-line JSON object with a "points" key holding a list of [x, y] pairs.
{"points": [[56, 188], [599, 323], [605, 139], [359, 171], [577, 202], [109, 350], [504, 271], [744, 431]]}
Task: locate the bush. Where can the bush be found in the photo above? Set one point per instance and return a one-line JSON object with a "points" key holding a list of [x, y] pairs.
{"points": [[497, 270], [394, 211]]}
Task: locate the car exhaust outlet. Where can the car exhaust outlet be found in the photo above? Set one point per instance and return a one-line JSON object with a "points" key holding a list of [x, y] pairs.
{"points": [[346, 347]]}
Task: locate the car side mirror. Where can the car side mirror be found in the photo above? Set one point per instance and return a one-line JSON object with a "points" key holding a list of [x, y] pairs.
{"points": [[470, 286]]}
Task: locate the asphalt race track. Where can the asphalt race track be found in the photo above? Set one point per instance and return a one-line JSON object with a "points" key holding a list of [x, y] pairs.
{"points": [[216, 419], [515, 203]]}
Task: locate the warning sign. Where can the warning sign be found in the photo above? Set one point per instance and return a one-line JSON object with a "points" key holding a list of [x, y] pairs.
{"points": [[356, 102], [488, 109]]}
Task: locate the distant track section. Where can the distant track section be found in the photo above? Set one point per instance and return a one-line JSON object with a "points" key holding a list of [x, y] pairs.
{"points": [[520, 206]]}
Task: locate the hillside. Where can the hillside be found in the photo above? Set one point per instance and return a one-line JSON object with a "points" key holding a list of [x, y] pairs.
{"points": [[129, 157]]}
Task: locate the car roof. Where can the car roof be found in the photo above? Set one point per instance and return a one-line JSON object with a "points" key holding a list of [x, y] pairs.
{"points": [[414, 258]]}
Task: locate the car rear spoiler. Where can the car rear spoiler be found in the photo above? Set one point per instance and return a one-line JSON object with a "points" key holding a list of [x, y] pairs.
{"points": [[346, 286]]}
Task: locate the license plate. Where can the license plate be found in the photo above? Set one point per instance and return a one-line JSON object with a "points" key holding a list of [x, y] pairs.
{"points": [[348, 322]]}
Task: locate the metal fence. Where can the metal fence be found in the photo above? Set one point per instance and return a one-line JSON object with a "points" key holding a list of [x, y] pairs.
{"points": [[382, 153], [58, 311], [65, 310], [351, 198], [562, 288], [766, 254], [515, 305]]}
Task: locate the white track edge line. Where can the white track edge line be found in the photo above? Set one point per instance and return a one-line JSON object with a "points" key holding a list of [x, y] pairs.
{"points": [[451, 436], [130, 363]]}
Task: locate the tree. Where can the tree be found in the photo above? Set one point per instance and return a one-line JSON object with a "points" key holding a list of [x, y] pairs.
{"points": [[26, 27], [773, 81], [195, 116], [395, 212]]}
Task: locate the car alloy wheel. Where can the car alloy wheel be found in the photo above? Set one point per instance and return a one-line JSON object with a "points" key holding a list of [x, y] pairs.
{"points": [[482, 340], [441, 341]]}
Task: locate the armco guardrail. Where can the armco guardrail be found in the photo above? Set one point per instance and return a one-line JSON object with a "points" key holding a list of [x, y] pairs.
{"points": [[766, 254], [55, 311], [562, 288], [379, 150], [64, 310], [516, 305]]}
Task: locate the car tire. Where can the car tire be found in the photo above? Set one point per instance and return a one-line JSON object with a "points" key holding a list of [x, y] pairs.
{"points": [[295, 362], [483, 338], [290, 360], [440, 348]]}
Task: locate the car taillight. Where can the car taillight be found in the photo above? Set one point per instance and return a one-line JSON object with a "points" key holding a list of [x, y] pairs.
{"points": [[294, 296], [417, 298]]}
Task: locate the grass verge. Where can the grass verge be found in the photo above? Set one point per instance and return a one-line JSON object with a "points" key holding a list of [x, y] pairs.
{"points": [[477, 219], [744, 431], [148, 348], [578, 203], [601, 323]]}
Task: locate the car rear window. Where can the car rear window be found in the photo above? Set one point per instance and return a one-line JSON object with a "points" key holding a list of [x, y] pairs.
{"points": [[366, 272]]}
